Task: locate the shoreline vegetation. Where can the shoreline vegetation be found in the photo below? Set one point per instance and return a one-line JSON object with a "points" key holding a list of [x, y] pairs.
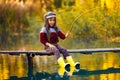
{"points": [[21, 21]]}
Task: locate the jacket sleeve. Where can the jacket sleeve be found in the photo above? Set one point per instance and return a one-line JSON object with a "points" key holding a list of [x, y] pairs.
{"points": [[60, 34], [43, 36]]}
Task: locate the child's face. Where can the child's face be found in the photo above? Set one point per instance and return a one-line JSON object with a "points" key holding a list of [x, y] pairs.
{"points": [[51, 21]]}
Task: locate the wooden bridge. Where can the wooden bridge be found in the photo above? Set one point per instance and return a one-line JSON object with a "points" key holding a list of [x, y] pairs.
{"points": [[82, 51], [30, 55]]}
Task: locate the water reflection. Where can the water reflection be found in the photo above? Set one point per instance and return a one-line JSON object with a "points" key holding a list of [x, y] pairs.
{"points": [[93, 67]]}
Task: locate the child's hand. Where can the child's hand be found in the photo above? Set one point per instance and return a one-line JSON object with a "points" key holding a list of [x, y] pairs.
{"points": [[67, 34], [52, 47]]}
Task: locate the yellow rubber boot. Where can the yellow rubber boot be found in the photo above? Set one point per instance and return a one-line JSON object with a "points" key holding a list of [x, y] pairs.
{"points": [[71, 71], [72, 64], [61, 71], [61, 62], [70, 61], [64, 65]]}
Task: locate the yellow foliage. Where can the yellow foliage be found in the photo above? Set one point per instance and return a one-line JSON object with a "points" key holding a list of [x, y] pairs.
{"points": [[108, 4], [77, 3]]}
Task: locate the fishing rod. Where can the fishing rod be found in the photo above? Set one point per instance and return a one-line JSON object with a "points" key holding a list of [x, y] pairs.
{"points": [[71, 27]]}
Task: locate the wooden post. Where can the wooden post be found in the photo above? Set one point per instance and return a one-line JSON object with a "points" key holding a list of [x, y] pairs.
{"points": [[30, 66]]}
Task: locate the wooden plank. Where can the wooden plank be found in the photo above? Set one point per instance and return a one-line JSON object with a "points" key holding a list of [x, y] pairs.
{"points": [[26, 52], [83, 51], [89, 51]]}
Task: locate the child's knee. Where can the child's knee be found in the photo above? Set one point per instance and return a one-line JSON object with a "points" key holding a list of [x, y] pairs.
{"points": [[64, 51], [55, 50]]}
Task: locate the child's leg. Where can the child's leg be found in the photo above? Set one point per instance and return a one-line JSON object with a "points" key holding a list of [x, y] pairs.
{"points": [[55, 51], [63, 51], [66, 55], [68, 58], [60, 60]]}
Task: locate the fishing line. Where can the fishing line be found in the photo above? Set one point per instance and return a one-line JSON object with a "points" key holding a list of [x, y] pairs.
{"points": [[71, 27]]}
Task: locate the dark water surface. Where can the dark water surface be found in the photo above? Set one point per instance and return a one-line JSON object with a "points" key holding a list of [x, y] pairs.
{"points": [[98, 66]]}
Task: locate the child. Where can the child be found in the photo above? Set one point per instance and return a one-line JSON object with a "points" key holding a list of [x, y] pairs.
{"points": [[49, 37]]}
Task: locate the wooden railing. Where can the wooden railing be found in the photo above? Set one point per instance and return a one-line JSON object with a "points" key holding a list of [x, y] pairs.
{"points": [[82, 51]]}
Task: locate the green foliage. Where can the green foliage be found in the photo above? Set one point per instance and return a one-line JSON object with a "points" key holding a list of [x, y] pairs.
{"points": [[13, 24], [20, 26]]}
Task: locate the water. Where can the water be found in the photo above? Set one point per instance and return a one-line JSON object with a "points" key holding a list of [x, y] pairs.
{"points": [[98, 66]]}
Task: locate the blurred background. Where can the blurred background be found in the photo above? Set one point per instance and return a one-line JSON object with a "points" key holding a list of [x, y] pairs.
{"points": [[22, 20]]}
